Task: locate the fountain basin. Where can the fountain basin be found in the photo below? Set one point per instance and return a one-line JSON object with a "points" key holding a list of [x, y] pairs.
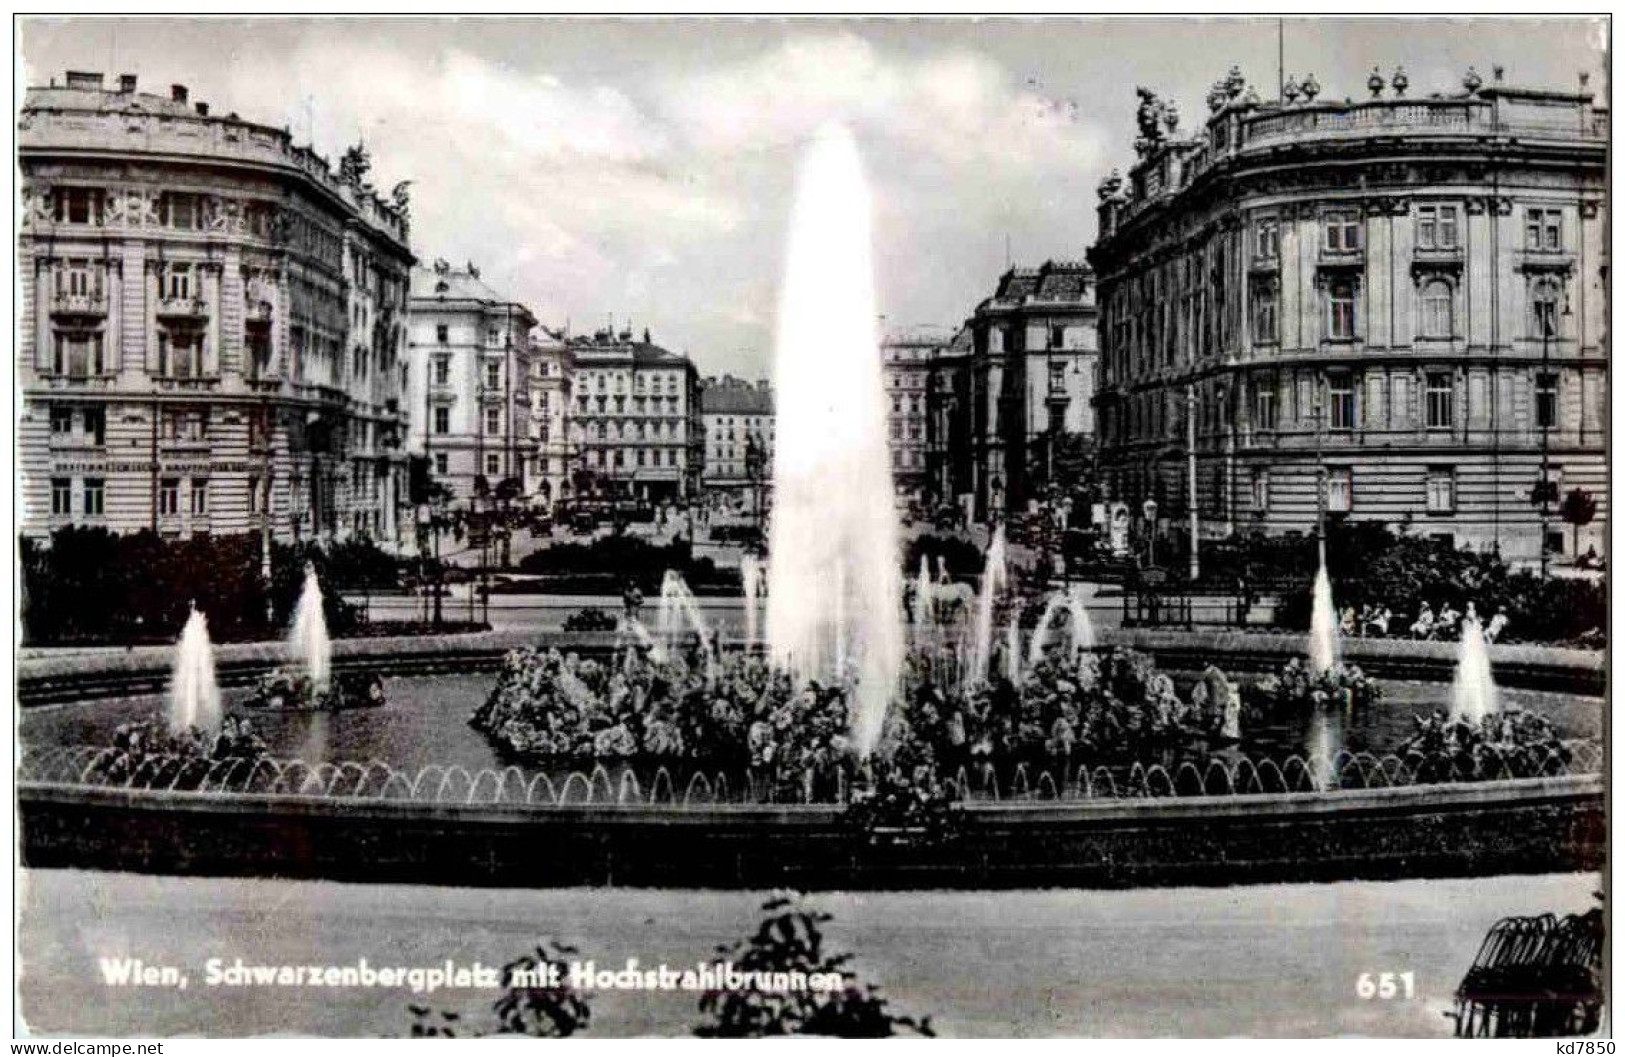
{"points": [[146, 669], [1525, 826]]}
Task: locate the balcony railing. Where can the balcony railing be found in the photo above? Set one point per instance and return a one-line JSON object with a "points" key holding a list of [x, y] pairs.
{"points": [[190, 307], [93, 303]]}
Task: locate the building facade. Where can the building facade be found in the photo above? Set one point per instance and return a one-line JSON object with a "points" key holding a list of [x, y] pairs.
{"points": [[739, 440], [470, 384], [1392, 309], [906, 357], [1034, 352], [949, 480], [548, 478], [635, 427], [212, 330]]}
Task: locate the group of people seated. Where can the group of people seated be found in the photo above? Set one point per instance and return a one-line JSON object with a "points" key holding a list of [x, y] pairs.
{"points": [[1444, 625]]}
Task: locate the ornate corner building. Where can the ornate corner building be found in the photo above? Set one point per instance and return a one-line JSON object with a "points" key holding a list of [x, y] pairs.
{"points": [[212, 325], [1395, 309]]}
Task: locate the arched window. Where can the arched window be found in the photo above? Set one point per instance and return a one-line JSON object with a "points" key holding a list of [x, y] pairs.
{"points": [[1437, 304]]}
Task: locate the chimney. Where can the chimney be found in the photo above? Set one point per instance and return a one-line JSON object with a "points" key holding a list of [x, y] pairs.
{"points": [[126, 83], [82, 79], [177, 93], [202, 109]]}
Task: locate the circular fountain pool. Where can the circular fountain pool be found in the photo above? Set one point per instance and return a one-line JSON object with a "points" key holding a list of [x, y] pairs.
{"points": [[426, 722]]}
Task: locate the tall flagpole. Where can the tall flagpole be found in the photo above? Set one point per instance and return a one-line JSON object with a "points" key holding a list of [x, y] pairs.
{"points": [[1280, 61]]}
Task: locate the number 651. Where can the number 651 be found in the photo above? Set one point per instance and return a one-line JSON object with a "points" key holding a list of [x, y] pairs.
{"points": [[1385, 986]]}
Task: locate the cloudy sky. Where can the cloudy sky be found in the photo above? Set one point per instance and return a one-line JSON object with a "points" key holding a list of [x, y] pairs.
{"points": [[641, 168]]}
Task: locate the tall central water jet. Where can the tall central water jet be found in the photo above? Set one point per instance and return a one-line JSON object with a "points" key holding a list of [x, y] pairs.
{"points": [[309, 640], [834, 595]]}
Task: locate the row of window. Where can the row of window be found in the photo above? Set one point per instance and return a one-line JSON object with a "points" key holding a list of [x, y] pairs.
{"points": [[1437, 227], [1439, 488], [93, 493], [638, 405], [1148, 415], [605, 459], [642, 382], [1436, 302]]}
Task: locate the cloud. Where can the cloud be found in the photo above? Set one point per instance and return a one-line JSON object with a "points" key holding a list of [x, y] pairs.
{"points": [[664, 193]]}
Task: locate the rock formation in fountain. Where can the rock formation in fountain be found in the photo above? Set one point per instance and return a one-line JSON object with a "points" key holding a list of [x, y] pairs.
{"points": [[835, 587], [995, 575], [1322, 622], [309, 642], [1473, 693], [194, 697]]}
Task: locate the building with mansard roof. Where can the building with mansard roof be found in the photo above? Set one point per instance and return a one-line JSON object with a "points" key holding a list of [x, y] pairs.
{"points": [[211, 332], [1391, 309], [1030, 383]]}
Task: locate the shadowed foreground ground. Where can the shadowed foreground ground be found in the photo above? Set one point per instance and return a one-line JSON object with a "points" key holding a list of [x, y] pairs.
{"points": [[1275, 960]]}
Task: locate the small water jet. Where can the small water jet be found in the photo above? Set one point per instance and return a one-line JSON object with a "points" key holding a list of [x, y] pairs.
{"points": [[1080, 628], [194, 697], [1473, 693], [924, 597], [677, 607], [1322, 622], [995, 577], [1012, 650], [309, 640], [751, 577]]}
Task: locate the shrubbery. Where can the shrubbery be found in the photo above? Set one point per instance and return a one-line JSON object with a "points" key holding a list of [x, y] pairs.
{"points": [[92, 585], [963, 557], [607, 563], [591, 619], [1371, 565]]}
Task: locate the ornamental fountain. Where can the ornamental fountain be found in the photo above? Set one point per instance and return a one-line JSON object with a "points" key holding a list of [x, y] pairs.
{"points": [[194, 697], [834, 586]]}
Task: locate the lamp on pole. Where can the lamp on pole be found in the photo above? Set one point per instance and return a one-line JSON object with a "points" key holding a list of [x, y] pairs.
{"points": [[1547, 308], [1319, 414], [1190, 472]]}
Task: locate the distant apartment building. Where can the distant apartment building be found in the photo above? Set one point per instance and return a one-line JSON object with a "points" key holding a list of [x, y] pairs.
{"points": [[739, 441], [1394, 309], [212, 323], [1030, 386], [634, 420], [949, 478], [470, 383], [548, 476], [906, 358]]}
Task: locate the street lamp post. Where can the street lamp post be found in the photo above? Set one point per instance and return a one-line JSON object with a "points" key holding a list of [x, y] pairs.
{"points": [[1190, 464], [1547, 309]]}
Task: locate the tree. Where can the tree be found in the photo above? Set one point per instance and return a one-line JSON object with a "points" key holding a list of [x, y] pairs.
{"points": [[1579, 509]]}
